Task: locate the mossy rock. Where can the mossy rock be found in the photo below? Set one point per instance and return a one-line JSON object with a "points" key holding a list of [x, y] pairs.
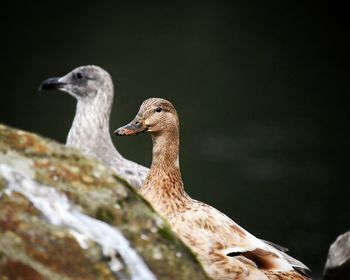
{"points": [[33, 248]]}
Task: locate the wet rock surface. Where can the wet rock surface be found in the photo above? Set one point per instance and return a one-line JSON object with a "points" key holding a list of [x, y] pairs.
{"points": [[338, 261], [35, 244]]}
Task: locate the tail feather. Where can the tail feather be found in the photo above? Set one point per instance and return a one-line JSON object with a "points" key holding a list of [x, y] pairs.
{"points": [[298, 265], [277, 246]]}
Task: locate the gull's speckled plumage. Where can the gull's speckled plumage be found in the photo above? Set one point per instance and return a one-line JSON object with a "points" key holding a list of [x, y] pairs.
{"points": [[225, 249], [93, 88]]}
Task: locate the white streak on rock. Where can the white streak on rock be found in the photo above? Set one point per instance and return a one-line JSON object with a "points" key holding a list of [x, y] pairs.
{"points": [[82, 239], [61, 212]]}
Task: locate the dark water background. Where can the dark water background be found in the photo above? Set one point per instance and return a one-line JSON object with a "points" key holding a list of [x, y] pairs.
{"points": [[259, 86]]}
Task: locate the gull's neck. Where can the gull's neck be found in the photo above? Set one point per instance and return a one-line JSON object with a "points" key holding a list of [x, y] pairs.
{"points": [[90, 128]]}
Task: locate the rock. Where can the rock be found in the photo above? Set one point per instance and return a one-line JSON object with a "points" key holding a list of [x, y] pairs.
{"points": [[64, 216], [338, 261]]}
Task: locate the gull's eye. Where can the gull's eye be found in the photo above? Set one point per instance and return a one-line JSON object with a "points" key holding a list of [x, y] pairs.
{"points": [[79, 75], [158, 110]]}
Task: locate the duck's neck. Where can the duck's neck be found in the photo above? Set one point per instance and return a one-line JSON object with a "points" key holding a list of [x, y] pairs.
{"points": [[166, 151], [164, 182], [90, 128]]}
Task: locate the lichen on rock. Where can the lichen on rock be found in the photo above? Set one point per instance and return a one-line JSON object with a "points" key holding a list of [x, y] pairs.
{"points": [[33, 246]]}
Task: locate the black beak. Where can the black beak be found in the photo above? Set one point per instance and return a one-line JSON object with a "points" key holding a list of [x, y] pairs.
{"points": [[51, 83], [135, 127]]}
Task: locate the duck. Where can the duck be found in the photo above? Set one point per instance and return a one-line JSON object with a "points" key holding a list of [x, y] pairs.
{"points": [[92, 87], [225, 249]]}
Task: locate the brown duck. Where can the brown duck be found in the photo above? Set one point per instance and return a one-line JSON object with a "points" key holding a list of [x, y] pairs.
{"points": [[226, 250]]}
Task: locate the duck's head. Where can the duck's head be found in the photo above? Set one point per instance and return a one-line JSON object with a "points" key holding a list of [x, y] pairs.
{"points": [[156, 115], [84, 83]]}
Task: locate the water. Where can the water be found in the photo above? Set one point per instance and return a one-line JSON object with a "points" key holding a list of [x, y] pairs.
{"points": [[260, 91]]}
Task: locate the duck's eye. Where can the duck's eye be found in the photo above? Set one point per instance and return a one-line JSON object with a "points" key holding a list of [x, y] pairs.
{"points": [[158, 110], [79, 75]]}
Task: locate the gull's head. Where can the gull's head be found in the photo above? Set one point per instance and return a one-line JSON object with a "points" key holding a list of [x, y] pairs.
{"points": [[84, 83], [156, 115]]}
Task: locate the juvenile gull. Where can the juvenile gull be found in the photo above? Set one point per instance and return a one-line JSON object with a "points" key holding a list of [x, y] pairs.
{"points": [[92, 86]]}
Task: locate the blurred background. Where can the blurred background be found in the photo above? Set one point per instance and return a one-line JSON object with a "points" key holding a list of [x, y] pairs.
{"points": [[259, 87]]}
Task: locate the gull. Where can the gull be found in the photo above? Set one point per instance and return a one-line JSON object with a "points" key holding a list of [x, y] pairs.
{"points": [[92, 87]]}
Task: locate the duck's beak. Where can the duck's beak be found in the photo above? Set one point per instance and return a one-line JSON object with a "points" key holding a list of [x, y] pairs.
{"points": [[135, 127], [52, 83]]}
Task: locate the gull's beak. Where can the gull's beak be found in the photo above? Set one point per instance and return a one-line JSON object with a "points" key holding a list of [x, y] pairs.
{"points": [[52, 83], [135, 127]]}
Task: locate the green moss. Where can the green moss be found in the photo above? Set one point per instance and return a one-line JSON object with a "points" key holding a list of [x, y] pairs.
{"points": [[2, 184], [105, 214], [166, 233]]}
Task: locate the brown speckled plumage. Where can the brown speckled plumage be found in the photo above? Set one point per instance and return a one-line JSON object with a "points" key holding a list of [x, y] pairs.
{"points": [[291, 275], [225, 250]]}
